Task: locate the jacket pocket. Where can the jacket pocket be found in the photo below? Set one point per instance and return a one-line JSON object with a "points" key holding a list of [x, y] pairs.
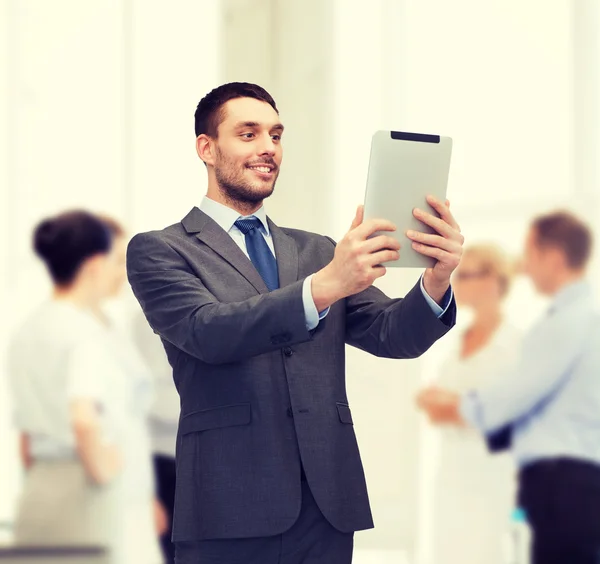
{"points": [[344, 413], [216, 418]]}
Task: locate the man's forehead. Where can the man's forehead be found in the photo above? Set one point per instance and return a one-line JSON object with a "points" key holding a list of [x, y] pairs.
{"points": [[249, 110]]}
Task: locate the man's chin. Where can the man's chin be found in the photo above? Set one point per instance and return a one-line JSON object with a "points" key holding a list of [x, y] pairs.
{"points": [[254, 195], [248, 192], [261, 191]]}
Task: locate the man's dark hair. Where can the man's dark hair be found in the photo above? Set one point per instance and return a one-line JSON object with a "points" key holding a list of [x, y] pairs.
{"points": [[209, 113], [564, 231]]}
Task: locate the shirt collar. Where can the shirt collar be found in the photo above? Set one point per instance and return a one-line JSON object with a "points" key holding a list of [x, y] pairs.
{"points": [[571, 292], [225, 217]]}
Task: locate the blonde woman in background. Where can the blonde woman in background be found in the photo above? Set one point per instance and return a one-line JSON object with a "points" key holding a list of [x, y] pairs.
{"points": [[80, 399], [474, 490]]}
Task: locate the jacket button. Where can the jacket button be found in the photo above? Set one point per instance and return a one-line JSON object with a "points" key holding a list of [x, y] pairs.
{"points": [[288, 352]]}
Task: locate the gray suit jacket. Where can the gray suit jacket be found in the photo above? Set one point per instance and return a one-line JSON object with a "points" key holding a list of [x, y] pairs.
{"points": [[260, 394]]}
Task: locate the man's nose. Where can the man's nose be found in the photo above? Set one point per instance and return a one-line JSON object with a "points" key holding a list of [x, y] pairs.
{"points": [[266, 145]]}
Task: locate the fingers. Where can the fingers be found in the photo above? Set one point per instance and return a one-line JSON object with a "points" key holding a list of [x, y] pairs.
{"points": [[378, 271], [380, 242], [434, 241], [440, 255], [447, 260], [358, 218], [439, 225], [425, 396], [437, 404], [443, 209], [371, 226], [378, 258]]}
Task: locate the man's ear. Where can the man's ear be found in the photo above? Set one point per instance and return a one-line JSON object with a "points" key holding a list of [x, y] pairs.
{"points": [[205, 149]]}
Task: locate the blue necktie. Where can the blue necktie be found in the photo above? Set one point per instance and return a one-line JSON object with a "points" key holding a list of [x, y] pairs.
{"points": [[260, 255]]}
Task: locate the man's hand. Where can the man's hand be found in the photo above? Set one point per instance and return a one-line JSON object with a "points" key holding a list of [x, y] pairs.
{"points": [[357, 261], [441, 406], [446, 246]]}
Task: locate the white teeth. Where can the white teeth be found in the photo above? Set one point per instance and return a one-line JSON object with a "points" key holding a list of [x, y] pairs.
{"points": [[262, 168]]}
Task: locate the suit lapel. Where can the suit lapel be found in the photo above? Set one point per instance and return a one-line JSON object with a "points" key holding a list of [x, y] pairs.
{"points": [[212, 235], [286, 252]]}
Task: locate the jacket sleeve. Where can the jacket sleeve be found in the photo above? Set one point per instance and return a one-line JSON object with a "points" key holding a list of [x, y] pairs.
{"points": [[394, 328], [184, 312]]}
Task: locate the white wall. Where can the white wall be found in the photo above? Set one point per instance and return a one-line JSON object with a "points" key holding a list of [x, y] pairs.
{"points": [[6, 442], [586, 108], [101, 96]]}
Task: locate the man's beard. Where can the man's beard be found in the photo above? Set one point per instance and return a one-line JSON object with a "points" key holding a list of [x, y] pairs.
{"points": [[236, 187]]}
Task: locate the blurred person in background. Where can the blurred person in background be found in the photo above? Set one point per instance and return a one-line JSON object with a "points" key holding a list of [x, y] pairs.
{"points": [[164, 417], [81, 399], [547, 408], [145, 516], [469, 479]]}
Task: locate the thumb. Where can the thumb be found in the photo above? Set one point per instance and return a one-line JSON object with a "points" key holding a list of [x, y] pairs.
{"points": [[358, 218]]}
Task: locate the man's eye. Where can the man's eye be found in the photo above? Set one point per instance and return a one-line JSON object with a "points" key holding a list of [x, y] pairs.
{"points": [[247, 135], [276, 137]]}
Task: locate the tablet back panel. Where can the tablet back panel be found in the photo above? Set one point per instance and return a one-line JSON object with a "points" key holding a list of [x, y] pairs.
{"points": [[403, 169]]}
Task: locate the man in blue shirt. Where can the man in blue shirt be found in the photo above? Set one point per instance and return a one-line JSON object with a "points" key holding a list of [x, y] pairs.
{"points": [[547, 409]]}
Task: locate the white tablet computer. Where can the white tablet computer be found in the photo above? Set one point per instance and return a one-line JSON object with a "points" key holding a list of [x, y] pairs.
{"points": [[403, 169]]}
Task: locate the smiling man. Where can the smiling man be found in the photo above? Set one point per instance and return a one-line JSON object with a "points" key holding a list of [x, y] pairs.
{"points": [[254, 319]]}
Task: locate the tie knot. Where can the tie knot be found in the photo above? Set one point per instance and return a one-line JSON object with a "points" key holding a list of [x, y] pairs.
{"points": [[247, 225]]}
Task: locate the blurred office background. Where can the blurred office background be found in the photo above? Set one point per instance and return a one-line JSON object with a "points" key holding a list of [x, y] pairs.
{"points": [[97, 111]]}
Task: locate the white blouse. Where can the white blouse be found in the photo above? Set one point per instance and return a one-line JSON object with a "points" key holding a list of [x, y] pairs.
{"points": [[62, 353], [49, 360], [474, 490]]}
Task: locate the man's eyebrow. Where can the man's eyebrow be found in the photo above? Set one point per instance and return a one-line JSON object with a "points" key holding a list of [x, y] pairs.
{"points": [[241, 124], [253, 124]]}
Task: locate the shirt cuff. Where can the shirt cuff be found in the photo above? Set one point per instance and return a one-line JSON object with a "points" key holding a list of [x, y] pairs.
{"points": [[310, 309], [471, 411], [435, 307]]}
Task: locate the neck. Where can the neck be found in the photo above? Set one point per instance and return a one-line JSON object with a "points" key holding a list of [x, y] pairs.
{"points": [[566, 278], [243, 207], [76, 295], [487, 318]]}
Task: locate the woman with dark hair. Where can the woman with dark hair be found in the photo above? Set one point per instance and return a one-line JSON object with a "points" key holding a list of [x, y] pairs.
{"points": [[80, 399]]}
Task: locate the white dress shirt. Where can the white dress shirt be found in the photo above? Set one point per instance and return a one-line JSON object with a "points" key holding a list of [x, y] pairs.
{"points": [[226, 217]]}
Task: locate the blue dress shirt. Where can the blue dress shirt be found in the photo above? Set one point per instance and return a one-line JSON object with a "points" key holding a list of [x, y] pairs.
{"points": [[551, 398], [226, 217]]}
